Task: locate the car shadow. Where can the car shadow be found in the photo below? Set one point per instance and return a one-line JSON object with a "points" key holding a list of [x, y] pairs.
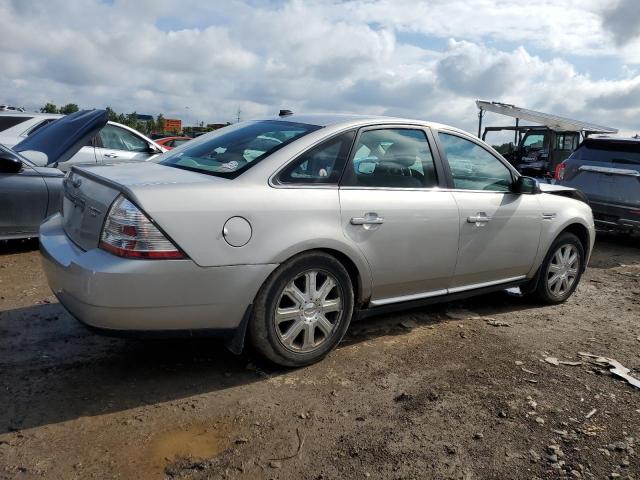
{"points": [[9, 247], [52, 369]]}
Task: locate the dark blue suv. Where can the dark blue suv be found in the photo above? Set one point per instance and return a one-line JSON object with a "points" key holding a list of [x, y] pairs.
{"points": [[607, 170]]}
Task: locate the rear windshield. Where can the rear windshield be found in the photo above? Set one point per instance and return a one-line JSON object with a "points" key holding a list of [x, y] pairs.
{"points": [[7, 121], [234, 149], [603, 151]]}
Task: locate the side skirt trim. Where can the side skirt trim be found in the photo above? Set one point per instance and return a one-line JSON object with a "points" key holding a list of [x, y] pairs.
{"points": [[457, 295], [438, 293]]}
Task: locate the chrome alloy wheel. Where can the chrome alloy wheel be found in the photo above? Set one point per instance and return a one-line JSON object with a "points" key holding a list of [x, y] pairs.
{"points": [[563, 270], [308, 311]]}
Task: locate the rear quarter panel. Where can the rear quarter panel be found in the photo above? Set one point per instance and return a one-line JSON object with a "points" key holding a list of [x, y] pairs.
{"points": [[284, 222]]}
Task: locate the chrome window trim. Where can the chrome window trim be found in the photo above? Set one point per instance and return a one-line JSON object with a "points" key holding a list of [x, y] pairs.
{"points": [[437, 293], [400, 189], [436, 189], [462, 190], [325, 186]]}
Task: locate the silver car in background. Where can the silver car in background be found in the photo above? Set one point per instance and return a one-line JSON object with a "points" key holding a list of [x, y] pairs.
{"points": [[29, 193], [281, 231], [114, 143]]}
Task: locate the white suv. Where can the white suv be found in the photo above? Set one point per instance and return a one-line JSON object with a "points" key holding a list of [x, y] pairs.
{"points": [[114, 143]]}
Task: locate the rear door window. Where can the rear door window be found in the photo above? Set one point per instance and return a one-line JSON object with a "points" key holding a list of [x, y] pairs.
{"points": [[320, 164], [393, 158]]}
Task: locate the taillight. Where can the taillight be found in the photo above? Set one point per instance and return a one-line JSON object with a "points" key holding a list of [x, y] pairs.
{"points": [[559, 173], [127, 232]]}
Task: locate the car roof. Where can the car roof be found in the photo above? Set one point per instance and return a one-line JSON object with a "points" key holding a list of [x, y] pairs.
{"points": [[612, 138], [344, 119], [7, 113]]}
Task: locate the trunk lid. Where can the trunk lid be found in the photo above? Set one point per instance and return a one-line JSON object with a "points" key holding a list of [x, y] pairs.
{"points": [[89, 192], [60, 140], [85, 203]]}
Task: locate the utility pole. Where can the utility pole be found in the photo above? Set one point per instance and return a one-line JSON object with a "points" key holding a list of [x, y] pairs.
{"points": [[238, 114]]}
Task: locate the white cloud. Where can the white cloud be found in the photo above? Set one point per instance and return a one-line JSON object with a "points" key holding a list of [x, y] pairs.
{"points": [[319, 56]]}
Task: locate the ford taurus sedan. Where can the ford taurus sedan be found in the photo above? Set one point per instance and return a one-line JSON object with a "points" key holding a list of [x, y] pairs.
{"points": [[281, 231]]}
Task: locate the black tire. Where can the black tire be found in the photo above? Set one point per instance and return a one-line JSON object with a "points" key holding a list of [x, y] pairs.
{"points": [[265, 336], [544, 292]]}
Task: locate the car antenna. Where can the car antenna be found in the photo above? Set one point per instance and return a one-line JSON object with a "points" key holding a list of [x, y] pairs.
{"points": [[285, 113]]}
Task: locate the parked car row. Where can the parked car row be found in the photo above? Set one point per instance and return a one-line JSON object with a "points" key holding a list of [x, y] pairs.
{"points": [[113, 143], [33, 192]]}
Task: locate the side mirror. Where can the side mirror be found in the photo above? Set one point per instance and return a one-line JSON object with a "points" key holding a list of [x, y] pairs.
{"points": [[526, 186], [153, 149], [9, 164]]}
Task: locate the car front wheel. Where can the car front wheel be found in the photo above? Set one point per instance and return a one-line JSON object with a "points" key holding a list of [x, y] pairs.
{"points": [[561, 270], [303, 310]]}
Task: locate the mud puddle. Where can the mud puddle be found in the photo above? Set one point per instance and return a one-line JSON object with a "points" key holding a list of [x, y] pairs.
{"points": [[194, 442]]}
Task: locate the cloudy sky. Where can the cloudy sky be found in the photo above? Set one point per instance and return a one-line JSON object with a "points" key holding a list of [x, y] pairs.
{"points": [[431, 59]]}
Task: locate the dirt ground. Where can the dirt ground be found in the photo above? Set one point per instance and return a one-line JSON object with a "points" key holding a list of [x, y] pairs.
{"points": [[446, 391]]}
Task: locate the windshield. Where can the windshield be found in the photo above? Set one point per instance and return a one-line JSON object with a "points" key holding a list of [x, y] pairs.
{"points": [[231, 150]]}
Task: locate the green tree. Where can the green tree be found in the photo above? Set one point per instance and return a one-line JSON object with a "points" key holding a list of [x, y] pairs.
{"points": [[160, 123], [131, 119], [49, 108], [504, 148], [147, 127], [112, 116], [69, 108]]}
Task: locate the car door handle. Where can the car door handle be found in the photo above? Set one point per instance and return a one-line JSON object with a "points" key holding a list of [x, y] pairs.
{"points": [[368, 219], [111, 155], [480, 217]]}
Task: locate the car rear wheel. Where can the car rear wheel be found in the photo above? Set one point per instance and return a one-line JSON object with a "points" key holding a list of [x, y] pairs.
{"points": [[561, 270], [302, 311]]}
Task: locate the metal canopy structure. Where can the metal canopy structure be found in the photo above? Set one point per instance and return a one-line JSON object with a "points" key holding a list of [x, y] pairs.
{"points": [[553, 122]]}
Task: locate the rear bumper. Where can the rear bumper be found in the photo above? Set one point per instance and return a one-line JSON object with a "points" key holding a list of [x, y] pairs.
{"points": [[112, 293], [618, 217]]}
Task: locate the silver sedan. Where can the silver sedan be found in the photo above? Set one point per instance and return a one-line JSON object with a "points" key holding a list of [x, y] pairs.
{"points": [[279, 232]]}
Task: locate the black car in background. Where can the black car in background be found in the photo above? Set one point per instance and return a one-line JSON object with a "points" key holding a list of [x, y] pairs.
{"points": [[607, 170]]}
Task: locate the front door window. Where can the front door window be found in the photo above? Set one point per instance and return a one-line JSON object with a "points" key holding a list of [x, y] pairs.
{"points": [[473, 167]]}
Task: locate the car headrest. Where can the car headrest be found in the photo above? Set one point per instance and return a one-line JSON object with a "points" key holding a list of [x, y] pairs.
{"points": [[402, 160], [401, 153]]}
